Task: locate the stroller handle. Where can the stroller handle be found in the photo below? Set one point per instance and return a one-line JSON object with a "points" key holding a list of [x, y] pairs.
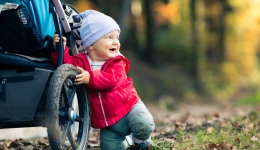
{"points": [[61, 13], [60, 46]]}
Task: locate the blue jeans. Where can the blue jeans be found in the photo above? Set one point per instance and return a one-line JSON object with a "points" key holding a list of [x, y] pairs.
{"points": [[138, 121]]}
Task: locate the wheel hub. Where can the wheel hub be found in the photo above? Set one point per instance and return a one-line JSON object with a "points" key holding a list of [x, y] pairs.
{"points": [[73, 115]]}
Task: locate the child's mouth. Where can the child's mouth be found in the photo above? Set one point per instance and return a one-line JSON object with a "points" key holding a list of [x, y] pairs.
{"points": [[112, 49]]}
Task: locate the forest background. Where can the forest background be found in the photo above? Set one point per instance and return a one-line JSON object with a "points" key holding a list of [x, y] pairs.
{"points": [[186, 53], [188, 50]]}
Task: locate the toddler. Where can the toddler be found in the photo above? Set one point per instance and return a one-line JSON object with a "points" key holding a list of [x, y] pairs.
{"points": [[115, 105]]}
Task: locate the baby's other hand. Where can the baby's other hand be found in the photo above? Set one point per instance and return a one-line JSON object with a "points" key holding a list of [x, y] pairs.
{"points": [[56, 39], [83, 77]]}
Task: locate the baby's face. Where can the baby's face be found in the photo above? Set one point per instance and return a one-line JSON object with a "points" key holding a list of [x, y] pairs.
{"points": [[106, 47]]}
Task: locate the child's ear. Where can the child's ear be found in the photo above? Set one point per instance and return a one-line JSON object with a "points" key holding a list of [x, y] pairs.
{"points": [[91, 47]]}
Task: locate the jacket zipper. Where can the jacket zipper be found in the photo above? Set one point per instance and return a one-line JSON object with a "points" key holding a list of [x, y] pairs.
{"points": [[102, 108], [99, 96]]}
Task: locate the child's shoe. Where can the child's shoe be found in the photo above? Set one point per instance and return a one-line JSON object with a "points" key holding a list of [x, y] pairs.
{"points": [[132, 147], [147, 145]]}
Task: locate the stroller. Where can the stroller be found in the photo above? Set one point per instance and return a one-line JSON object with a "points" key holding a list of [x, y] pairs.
{"points": [[33, 92]]}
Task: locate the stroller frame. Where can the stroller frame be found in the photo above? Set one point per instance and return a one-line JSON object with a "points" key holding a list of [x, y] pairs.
{"points": [[33, 94]]}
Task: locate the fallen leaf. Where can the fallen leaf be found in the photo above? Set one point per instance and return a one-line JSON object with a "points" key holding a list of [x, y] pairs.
{"points": [[254, 138], [216, 114], [211, 146], [15, 144], [221, 146], [210, 130], [3, 147], [168, 140], [237, 140], [237, 126]]}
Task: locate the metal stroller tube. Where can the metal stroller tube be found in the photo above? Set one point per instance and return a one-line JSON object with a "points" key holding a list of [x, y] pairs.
{"points": [[60, 47]]}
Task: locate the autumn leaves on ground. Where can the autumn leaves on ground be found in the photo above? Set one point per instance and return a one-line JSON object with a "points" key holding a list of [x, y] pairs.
{"points": [[200, 126], [210, 128]]}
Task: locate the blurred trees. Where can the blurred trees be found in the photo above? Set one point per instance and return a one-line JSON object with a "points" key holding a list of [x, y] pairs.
{"points": [[229, 63], [215, 42]]}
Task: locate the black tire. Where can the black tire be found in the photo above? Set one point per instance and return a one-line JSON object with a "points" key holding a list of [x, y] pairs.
{"points": [[61, 114]]}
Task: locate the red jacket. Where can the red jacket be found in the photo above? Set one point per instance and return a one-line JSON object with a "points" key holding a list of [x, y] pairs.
{"points": [[116, 90]]}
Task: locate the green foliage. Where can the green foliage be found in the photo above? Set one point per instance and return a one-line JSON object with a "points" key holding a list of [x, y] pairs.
{"points": [[252, 99], [161, 84], [222, 70], [174, 44]]}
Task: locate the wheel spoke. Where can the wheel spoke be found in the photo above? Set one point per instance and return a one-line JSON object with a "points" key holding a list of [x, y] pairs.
{"points": [[71, 95], [65, 132], [68, 98], [79, 119], [69, 134], [72, 78], [62, 112]]}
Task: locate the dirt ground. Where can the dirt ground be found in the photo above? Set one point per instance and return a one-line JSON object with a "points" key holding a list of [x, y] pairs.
{"points": [[166, 121]]}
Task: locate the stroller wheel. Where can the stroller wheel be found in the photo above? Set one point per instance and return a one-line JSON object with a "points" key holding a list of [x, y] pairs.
{"points": [[68, 113]]}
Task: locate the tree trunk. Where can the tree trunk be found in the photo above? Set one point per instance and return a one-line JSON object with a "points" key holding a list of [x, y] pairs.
{"points": [[149, 50], [216, 28], [124, 14], [194, 37]]}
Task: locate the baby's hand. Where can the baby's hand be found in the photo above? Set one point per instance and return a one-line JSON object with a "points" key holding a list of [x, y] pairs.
{"points": [[56, 39], [83, 77]]}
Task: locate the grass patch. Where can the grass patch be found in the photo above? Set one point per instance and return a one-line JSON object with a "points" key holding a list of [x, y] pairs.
{"points": [[253, 99], [235, 133]]}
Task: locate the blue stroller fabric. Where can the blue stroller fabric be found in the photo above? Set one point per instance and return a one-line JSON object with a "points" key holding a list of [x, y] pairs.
{"points": [[42, 17], [10, 1], [24, 61], [40, 14], [41, 26]]}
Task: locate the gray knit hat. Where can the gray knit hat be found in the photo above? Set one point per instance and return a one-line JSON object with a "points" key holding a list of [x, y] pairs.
{"points": [[94, 26]]}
